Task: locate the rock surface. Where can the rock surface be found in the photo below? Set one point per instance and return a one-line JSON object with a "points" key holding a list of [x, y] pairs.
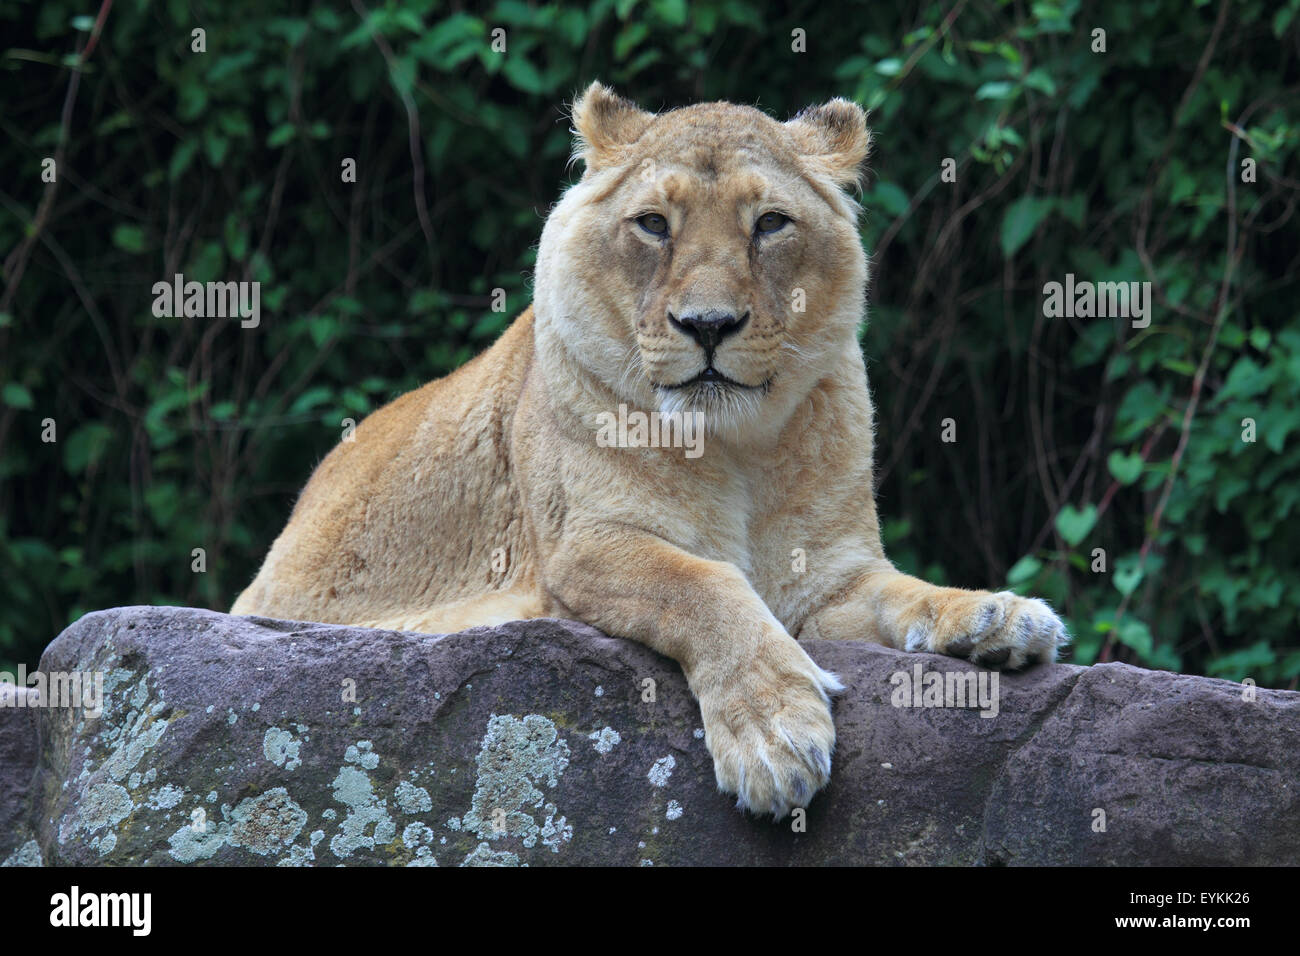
{"points": [[227, 740]]}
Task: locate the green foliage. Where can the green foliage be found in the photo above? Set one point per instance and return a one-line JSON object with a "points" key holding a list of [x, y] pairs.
{"points": [[181, 433]]}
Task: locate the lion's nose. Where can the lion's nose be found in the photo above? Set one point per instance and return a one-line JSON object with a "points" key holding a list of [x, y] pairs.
{"points": [[708, 327]]}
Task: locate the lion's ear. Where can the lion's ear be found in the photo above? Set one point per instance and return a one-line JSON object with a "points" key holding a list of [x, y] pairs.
{"points": [[835, 137], [604, 123]]}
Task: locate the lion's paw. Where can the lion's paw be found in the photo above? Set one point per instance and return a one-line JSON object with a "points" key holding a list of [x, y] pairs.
{"points": [[991, 630], [770, 733]]}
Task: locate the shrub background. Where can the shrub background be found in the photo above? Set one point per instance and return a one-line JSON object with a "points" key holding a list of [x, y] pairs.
{"points": [[1072, 434]]}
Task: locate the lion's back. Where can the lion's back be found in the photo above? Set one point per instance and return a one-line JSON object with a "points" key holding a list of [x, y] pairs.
{"points": [[409, 510]]}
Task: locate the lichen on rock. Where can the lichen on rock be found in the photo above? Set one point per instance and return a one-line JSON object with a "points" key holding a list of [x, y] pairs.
{"points": [[514, 758]]}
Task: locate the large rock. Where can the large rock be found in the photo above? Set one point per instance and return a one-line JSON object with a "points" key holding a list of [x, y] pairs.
{"points": [[246, 741]]}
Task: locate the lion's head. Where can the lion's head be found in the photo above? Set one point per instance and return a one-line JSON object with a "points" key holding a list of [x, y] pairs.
{"points": [[708, 260]]}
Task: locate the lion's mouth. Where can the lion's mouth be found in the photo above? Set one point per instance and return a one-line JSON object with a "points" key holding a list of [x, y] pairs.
{"points": [[711, 376]]}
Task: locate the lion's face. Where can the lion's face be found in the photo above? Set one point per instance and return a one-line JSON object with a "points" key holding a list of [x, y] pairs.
{"points": [[708, 260]]}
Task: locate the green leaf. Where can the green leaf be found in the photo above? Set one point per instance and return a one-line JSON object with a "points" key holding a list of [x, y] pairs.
{"points": [[1246, 380], [326, 18], [293, 31], [672, 12], [629, 38], [1128, 575], [457, 31], [523, 75], [402, 75], [890, 197], [1136, 635], [1074, 524], [311, 398], [1241, 664], [17, 396], [1072, 208], [280, 135], [128, 238], [363, 31], [1024, 570], [1165, 658], [995, 90], [181, 158], [572, 26], [193, 99], [1020, 220], [1039, 80], [216, 146], [1282, 19], [408, 19], [231, 66], [235, 124], [322, 329], [162, 499], [1126, 468], [236, 238], [86, 446]]}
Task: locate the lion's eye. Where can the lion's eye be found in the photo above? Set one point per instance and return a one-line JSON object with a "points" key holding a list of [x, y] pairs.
{"points": [[653, 223], [770, 222]]}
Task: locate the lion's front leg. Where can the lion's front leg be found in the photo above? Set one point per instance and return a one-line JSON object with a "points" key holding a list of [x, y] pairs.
{"points": [[991, 629], [765, 704]]}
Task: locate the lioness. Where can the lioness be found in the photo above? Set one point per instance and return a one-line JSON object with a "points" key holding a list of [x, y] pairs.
{"points": [[706, 264]]}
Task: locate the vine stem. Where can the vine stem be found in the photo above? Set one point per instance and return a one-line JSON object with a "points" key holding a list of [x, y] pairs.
{"points": [[1233, 256]]}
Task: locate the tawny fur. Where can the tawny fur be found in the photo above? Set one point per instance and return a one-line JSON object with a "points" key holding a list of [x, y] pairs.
{"points": [[485, 497]]}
